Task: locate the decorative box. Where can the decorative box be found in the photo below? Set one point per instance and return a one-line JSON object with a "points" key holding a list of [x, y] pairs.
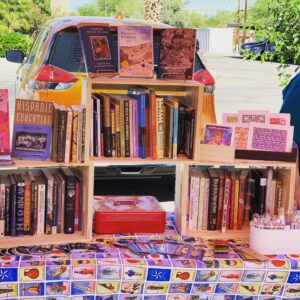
{"points": [[128, 214]]}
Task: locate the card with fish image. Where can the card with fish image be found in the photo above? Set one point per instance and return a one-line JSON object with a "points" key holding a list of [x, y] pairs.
{"points": [[249, 288], [132, 287], [200, 288], [84, 272], [272, 289], [276, 276], [82, 287], [207, 276], [31, 273], [134, 273], [156, 288], [31, 289], [107, 287], [57, 256], [8, 274], [230, 276], [82, 255], [226, 288], [58, 288], [253, 276], [109, 272], [183, 275], [292, 290], [180, 288], [8, 290], [58, 272]]}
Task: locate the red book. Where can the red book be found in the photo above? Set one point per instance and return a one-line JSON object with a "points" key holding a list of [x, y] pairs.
{"points": [[220, 199]]}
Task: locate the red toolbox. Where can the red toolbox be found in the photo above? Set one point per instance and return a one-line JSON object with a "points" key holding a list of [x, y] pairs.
{"points": [[128, 214]]}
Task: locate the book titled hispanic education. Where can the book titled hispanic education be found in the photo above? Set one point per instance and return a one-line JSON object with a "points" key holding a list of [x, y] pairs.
{"points": [[97, 45], [32, 133]]}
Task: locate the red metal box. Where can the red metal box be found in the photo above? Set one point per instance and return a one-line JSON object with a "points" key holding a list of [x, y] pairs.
{"points": [[128, 214]]}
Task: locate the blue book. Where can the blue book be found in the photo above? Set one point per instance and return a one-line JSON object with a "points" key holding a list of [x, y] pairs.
{"points": [[140, 96], [97, 45]]}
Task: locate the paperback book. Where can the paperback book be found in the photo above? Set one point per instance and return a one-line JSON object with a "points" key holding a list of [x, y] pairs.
{"points": [[32, 133], [97, 45], [218, 135], [136, 51]]}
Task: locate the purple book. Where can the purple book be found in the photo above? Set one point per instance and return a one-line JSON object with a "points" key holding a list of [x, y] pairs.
{"points": [[32, 133]]}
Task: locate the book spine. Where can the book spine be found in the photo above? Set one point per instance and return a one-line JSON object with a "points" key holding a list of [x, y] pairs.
{"points": [[32, 206], [113, 130], [13, 209], [83, 133], [92, 128], [249, 196], [55, 209], [213, 203], [96, 126], [41, 209], [226, 205], [190, 136], [59, 206], [77, 205], [127, 128], [142, 125], [7, 210], [117, 134], [262, 197], [194, 201], [201, 203], [122, 128], [181, 122], [220, 203], [69, 216], [206, 201], [55, 129], [160, 127], [107, 137], [148, 124], [27, 209], [61, 136], [2, 209], [241, 205], [236, 203], [20, 208], [135, 129], [268, 189], [231, 205], [278, 195], [68, 136], [74, 135], [79, 136], [153, 125], [131, 127], [272, 197], [175, 132]]}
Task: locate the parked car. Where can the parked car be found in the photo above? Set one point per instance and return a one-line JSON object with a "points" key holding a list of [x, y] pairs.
{"points": [[257, 47], [54, 68]]}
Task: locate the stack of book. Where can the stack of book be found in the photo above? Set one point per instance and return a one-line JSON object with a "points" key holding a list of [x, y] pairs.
{"points": [[141, 124], [46, 201], [221, 199]]}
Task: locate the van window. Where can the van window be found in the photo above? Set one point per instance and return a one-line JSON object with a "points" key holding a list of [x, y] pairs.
{"points": [[67, 52], [37, 46]]}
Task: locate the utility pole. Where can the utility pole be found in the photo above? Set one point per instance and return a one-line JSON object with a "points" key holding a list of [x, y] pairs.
{"points": [[237, 30], [245, 19]]}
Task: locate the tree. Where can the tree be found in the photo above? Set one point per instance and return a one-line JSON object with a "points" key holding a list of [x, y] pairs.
{"points": [[152, 10], [174, 12], [220, 19], [44, 6]]}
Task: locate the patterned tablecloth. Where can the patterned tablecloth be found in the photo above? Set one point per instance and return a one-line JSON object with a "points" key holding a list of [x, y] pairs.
{"points": [[101, 271]]}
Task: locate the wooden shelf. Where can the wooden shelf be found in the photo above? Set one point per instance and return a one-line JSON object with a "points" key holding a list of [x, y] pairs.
{"points": [[229, 234]]}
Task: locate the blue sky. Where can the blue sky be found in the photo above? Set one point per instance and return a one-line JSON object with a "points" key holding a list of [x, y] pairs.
{"points": [[209, 7]]}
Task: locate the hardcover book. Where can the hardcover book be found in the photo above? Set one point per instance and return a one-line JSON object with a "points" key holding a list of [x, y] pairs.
{"points": [[32, 133], [135, 51], [177, 53], [97, 45]]}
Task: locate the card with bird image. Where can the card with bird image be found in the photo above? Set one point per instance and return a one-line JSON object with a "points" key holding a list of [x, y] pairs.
{"points": [[31, 273], [58, 272], [59, 262], [82, 287], [207, 276], [109, 272], [9, 264], [249, 288], [84, 272], [200, 288], [138, 273], [253, 276], [180, 288], [8, 274], [31, 289], [230, 276], [226, 287], [156, 288], [183, 275], [276, 276], [107, 287], [58, 288], [272, 289]]}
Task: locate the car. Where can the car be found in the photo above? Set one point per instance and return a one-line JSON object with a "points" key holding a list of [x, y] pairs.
{"points": [[257, 47], [54, 68]]}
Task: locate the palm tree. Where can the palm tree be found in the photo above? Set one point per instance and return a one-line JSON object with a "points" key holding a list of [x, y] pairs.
{"points": [[152, 10]]}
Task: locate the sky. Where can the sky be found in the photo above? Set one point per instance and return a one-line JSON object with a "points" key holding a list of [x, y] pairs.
{"points": [[209, 7]]}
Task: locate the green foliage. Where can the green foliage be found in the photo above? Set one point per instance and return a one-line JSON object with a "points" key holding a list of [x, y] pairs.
{"points": [[14, 41], [174, 13], [220, 19], [44, 6]]}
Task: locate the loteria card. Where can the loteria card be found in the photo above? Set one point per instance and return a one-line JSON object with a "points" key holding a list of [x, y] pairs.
{"points": [[32, 274], [156, 297], [58, 288], [177, 297], [109, 272], [277, 276], [183, 275], [180, 288], [82, 287], [132, 287], [253, 276], [294, 277], [8, 274], [107, 297], [200, 288], [252, 116], [279, 119], [82, 298], [32, 263], [159, 262], [278, 264], [249, 288], [218, 135], [8, 290], [107, 287], [108, 261], [184, 263], [158, 274], [208, 263], [138, 273], [223, 288], [58, 272], [272, 289], [135, 51], [292, 290], [240, 138], [207, 276], [230, 276], [156, 288], [270, 137], [229, 118], [231, 263], [84, 272], [128, 297], [31, 289]]}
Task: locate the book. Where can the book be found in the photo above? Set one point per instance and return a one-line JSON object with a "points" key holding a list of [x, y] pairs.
{"points": [[279, 119], [49, 200], [7, 183], [229, 118], [74, 146], [55, 130], [97, 150], [241, 135], [83, 132], [177, 53], [27, 204], [242, 197], [33, 202], [135, 45], [13, 204], [226, 203], [252, 116], [55, 204], [204, 174], [220, 198], [32, 133], [2, 207], [60, 203], [278, 195], [5, 154], [189, 129], [115, 106], [20, 195], [41, 203], [61, 140], [203, 196], [213, 199], [97, 45], [218, 135], [68, 141], [160, 123], [194, 199]]}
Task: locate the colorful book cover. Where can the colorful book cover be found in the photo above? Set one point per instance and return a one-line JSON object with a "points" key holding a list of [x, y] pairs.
{"points": [[229, 118], [256, 116], [279, 119], [218, 135], [4, 125], [136, 51], [177, 53], [241, 133], [32, 133], [97, 45]]}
